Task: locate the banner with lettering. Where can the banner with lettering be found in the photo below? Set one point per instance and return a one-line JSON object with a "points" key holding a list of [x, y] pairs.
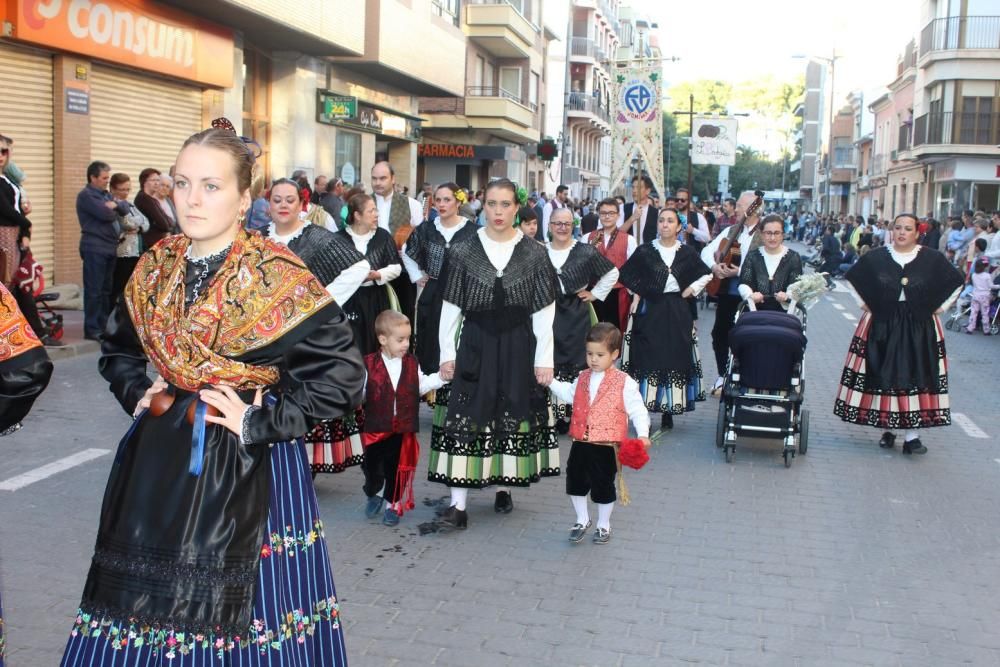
{"points": [[637, 125], [714, 140]]}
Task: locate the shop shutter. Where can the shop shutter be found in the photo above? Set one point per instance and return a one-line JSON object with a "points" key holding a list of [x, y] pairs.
{"points": [[139, 120], [26, 117]]}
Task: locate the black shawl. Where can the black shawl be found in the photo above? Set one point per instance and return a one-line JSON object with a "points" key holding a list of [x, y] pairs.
{"points": [[528, 281], [325, 253], [427, 246], [645, 273], [381, 250], [583, 268], [754, 273], [927, 281]]}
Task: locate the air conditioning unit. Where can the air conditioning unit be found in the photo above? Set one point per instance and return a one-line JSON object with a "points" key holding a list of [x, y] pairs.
{"points": [[894, 156]]}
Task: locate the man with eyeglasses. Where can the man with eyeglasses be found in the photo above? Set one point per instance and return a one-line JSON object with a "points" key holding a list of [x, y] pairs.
{"points": [[729, 295], [617, 245], [640, 213], [696, 226]]}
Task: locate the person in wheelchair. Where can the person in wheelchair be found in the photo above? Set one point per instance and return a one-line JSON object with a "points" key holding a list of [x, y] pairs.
{"points": [[769, 270]]}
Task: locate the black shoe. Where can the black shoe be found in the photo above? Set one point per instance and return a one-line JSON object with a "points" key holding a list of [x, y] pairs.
{"points": [[562, 427], [887, 441], [914, 447], [49, 341], [455, 518], [89, 336], [504, 503], [667, 420]]}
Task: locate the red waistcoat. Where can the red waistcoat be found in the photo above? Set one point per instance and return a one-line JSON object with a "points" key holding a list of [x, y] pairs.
{"points": [[608, 420], [616, 251], [389, 410]]}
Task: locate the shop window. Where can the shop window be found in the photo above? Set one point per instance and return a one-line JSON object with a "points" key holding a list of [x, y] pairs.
{"points": [[257, 102], [347, 157]]}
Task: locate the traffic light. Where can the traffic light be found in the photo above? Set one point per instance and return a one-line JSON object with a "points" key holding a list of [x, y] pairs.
{"points": [[547, 150]]}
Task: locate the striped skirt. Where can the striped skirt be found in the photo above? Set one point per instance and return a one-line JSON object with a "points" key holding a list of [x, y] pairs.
{"points": [[334, 446], [296, 616], [909, 404], [492, 457]]}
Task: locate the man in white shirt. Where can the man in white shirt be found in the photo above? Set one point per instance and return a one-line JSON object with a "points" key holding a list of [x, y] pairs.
{"points": [[729, 296], [554, 204], [697, 225], [397, 214], [640, 214]]}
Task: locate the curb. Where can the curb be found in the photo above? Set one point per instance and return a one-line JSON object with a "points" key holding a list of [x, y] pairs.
{"points": [[74, 349]]}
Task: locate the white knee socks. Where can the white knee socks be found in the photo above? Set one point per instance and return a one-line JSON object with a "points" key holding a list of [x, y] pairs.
{"points": [[458, 497], [604, 515], [580, 505], [911, 435]]}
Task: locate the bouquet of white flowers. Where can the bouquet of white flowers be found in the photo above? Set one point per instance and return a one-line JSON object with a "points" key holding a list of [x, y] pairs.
{"points": [[807, 289]]}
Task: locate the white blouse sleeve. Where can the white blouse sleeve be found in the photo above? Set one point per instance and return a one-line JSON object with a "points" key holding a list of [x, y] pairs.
{"points": [[635, 407], [347, 283], [389, 273], [698, 285], [429, 383], [541, 325], [630, 247], [605, 284], [745, 292], [412, 268], [451, 315], [564, 391]]}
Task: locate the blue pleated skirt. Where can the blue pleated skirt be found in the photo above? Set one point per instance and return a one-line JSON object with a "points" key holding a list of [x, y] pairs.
{"points": [[296, 613]]}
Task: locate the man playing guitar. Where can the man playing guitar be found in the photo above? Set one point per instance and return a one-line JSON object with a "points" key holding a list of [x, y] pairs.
{"points": [[720, 255]]}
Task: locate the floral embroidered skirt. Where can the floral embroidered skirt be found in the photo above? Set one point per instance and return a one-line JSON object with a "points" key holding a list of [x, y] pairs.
{"points": [[296, 616], [896, 374], [504, 457], [335, 446]]}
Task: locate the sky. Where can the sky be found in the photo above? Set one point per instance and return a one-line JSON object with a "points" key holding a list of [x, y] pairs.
{"points": [[735, 40]]}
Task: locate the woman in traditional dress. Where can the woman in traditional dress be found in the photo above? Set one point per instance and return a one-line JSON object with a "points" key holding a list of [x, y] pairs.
{"points": [[423, 257], [378, 247], [214, 553], [896, 375], [497, 426], [769, 270], [585, 277], [25, 370], [335, 445], [660, 348]]}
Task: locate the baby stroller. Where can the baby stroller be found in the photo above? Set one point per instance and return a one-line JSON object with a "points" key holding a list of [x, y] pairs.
{"points": [[959, 316], [765, 382], [30, 278]]}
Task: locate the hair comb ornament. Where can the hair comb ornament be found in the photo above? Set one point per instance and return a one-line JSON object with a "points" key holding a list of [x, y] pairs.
{"points": [[253, 148]]}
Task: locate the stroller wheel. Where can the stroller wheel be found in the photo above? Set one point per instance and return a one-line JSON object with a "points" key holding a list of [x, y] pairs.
{"points": [[788, 458], [995, 329], [950, 324], [720, 426], [730, 451], [804, 432]]}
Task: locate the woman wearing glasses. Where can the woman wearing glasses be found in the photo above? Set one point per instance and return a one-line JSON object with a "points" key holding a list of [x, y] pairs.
{"points": [[585, 278], [496, 428], [769, 270]]}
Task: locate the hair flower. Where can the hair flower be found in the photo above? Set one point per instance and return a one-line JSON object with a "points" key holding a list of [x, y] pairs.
{"points": [[522, 196], [461, 197]]}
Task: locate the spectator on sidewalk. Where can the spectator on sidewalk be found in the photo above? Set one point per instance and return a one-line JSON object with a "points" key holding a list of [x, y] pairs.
{"points": [[98, 211], [146, 200], [728, 217], [132, 225]]}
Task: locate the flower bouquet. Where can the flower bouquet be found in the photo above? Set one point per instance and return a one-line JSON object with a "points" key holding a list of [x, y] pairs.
{"points": [[807, 289]]}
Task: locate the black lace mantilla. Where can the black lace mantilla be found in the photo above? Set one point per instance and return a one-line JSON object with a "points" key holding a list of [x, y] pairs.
{"points": [[381, 250], [141, 566], [427, 246], [754, 273], [645, 273], [584, 267], [528, 280], [325, 253]]}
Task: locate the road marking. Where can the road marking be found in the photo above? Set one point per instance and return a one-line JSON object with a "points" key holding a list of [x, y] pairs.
{"points": [[850, 317], [968, 426], [838, 306], [830, 299], [50, 469]]}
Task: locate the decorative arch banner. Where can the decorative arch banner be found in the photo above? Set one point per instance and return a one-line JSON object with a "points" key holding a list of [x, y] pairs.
{"points": [[637, 125]]}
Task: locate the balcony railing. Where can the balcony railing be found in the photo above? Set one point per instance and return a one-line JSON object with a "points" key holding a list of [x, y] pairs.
{"points": [[609, 12], [960, 32], [947, 127], [582, 46], [497, 91], [903, 142], [589, 103]]}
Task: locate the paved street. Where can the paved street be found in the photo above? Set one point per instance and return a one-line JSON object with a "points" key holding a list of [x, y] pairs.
{"points": [[854, 556]]}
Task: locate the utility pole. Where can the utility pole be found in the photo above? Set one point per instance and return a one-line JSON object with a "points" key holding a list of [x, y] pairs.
{"points": [[690, 114]]}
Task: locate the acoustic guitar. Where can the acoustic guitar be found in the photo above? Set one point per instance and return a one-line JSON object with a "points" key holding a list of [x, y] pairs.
{"points": [[729, 250]]}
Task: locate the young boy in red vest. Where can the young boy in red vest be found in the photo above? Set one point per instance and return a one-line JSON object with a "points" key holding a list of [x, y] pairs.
{"points": [[604, 400], [393, 389]]}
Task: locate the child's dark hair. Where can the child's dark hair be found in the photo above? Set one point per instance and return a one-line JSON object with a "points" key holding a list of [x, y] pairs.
{"points": [[982, 264], [606, 334], [388, 320], [981, 245]]}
